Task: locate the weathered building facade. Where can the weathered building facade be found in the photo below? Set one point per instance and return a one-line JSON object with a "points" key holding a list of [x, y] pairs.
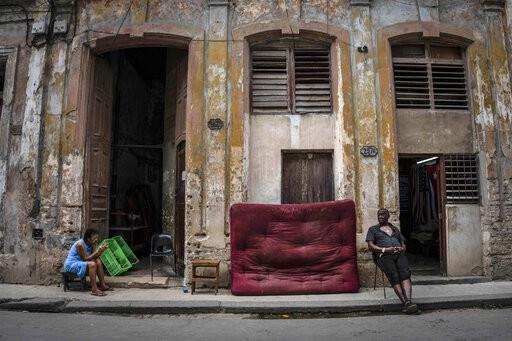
{"points": [[204, 103]]}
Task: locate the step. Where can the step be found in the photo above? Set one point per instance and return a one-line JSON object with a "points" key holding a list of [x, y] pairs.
{"points": [[144, 282], [438, 279]]}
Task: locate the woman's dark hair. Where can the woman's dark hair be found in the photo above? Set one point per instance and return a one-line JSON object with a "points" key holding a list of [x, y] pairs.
{"points": [[89, 233]]}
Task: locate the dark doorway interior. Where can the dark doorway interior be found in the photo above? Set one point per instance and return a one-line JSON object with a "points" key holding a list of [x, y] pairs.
{"points": [[307, 177], [420, 218], [137, 139]]}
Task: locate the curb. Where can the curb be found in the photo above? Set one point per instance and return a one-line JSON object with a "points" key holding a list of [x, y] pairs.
{"points": [[56, 305]]}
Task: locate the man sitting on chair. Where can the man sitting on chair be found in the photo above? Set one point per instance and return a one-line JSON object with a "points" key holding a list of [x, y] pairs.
{"points": [[388, 247]]}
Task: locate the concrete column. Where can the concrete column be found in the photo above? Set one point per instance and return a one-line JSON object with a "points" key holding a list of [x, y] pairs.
{"points": [[365, 115], [50, 173], [501, 235], [214, 190], [238, 115]]}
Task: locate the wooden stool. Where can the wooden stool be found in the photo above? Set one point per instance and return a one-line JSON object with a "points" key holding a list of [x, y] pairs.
{"points": [[205, 263], [69, 277]]}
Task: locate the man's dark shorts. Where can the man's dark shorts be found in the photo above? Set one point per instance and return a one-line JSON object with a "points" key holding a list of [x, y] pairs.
{"points": [[396, 267]]}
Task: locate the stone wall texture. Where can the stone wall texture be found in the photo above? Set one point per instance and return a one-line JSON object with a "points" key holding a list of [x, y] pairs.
{"points": [[44, 115]]}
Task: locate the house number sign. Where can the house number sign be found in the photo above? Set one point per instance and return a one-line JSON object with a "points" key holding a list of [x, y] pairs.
{"points": [[215, 124], [369, 151]]}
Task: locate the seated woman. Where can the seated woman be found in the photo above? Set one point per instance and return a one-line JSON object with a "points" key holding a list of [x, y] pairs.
{"points": [[83, 261]]}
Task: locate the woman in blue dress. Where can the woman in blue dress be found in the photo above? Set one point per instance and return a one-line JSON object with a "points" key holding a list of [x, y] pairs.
{"points": [[83, 260]]}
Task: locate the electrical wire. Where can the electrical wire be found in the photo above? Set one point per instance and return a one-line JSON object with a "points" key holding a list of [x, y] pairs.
{"points": [[122, 22]]}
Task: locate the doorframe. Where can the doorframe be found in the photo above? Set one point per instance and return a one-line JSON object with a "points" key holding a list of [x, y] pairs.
{"points": [[442, 203], [85, 85]]}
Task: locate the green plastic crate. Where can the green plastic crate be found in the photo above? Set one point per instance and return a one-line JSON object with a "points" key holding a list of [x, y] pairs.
{"points": [[114, 259], [109, 261], [126, 250]]}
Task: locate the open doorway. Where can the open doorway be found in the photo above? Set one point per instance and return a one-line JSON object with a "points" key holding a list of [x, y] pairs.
{"points": [[136, 122], [421, 219]]}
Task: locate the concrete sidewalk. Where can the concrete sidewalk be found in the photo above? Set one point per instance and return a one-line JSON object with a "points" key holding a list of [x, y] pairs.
{"points": [[175, 301]]}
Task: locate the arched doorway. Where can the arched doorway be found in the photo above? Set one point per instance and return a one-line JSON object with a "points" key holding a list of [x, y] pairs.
{"points": [[136, 114]]}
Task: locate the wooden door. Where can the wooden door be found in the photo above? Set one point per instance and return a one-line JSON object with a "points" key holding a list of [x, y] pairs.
{"points": [[179, 211], [98, 148], [441, 199], [180, 135], [181, 95], [307, 177]]}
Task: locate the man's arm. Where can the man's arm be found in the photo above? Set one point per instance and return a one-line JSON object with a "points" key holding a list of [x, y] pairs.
{"points": [[375, 248]]}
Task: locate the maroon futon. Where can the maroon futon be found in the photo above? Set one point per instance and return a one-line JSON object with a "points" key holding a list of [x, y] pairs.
{"points": [[293, 249]]}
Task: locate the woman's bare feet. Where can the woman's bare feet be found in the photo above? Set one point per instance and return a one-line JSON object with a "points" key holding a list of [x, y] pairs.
{"points": [[106, 288], [98, 292]]}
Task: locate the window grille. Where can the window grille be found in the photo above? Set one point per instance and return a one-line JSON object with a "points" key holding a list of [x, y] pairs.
{"points": [[290, 77], [429, 77], [461, 176]]}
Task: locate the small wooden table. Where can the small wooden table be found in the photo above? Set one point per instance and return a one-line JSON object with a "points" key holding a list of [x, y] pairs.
{"points": [[205, 263]]}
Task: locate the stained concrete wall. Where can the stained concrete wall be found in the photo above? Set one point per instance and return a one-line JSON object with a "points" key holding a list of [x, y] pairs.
{"points": [[463, 240], [44, 165], [269, 135], [434, 132]]}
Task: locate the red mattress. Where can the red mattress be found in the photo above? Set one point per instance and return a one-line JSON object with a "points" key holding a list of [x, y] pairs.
{"points": [[293, 249]]}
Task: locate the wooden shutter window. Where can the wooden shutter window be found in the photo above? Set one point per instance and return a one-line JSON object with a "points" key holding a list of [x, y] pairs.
{"points": [[291, 76], [429, 77], [449, 82], [411, 85], [312, 80], [269, 80], [461, 174]]}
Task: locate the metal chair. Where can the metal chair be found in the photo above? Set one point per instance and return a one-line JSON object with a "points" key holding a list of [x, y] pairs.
{"points": [[161, 246], [377, 268]]}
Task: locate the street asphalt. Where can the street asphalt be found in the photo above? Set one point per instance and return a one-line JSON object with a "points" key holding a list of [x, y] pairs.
{"points": [[467, 324]]}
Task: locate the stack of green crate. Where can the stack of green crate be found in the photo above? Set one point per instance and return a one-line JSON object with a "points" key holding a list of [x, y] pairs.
{"points": [[114, 258], [126, 250]]}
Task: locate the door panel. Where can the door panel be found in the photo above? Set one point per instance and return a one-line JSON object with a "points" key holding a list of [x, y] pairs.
{"points": [[179, 212], [98, 148], [307, 177], [180, 133], [181, 95]]}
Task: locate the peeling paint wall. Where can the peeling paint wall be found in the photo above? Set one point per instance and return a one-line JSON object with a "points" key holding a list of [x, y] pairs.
{"points": [[42, 166], [308, 132]]}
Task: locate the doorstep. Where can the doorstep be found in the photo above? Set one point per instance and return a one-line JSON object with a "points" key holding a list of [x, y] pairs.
{"points": [[438, 279], [144, 282]]}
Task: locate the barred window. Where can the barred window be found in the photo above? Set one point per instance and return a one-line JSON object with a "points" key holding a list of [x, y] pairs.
{"points": [[427, 76], [461, 176], [290, 76]]}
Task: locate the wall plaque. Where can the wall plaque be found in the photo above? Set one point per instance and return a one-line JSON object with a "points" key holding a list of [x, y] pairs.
{"points": [[215, 124], [16, 129], [369, 151]]}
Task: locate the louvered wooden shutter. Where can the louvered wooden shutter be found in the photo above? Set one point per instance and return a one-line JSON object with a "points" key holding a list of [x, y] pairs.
{"points": [[449, 82], [411, 85], [312, 80], [269, 81]]}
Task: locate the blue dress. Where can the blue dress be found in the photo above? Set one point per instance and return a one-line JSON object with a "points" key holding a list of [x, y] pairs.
{"points": [[74, 263]]}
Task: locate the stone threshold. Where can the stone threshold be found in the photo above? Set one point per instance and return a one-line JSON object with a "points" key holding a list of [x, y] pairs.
{"points": [[438, 279], [144, 282]]}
